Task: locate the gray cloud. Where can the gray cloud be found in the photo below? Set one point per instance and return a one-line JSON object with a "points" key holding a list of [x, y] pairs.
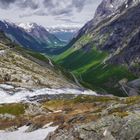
{"points": [[79, 4], [49, 12], [5, 3], [66, 20], [54, 7], [21, 4], [27, 3], [49, 3]]}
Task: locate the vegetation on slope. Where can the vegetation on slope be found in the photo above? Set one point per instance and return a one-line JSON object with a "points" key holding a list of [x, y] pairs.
{"points": [[13, 109], [90, 67]]}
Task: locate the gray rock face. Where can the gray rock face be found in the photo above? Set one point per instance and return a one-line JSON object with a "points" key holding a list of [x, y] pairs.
{"points": [[135, 84], [123, 40], [111, 7], [108, 128], [133, 87]]}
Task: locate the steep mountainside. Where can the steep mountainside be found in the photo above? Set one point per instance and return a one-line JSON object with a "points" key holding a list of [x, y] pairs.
{"points": [[106, 10], [41, 34], [105, 54], [32, 36]]}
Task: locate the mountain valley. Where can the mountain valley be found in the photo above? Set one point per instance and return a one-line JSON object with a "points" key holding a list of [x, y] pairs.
{"points": [[105, 56], [62, 83]]}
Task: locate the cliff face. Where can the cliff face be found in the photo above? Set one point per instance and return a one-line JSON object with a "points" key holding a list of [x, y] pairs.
{"points": [[107, 8], [122, 36], [112, 7]]}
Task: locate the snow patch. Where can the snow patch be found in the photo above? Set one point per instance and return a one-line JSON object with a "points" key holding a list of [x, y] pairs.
{"points": [[20, 134], [2, 52], [25, 94], [4, 86], [111, 5], [64, 28], [26, 26], [57, 111]]}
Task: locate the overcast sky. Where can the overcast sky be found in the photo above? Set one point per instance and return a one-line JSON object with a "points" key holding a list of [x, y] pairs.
{"points": [[49, 12]]}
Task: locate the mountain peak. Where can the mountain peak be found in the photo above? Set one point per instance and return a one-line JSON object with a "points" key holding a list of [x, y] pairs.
{"points": [[111, 7], [31, 36], [63, 29], [28, 26]]}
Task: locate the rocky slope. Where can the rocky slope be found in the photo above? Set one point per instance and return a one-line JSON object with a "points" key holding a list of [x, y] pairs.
{"points": [[106, 50], [74, 118], [105, 119], [23, 68]]}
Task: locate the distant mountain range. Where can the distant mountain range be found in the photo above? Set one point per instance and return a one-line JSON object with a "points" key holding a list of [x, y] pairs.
{"points": [[32, 36], [64, 33], [40, 33]]}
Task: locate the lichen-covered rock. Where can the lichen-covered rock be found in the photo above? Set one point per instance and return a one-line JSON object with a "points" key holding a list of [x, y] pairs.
{"points": [[107, 128], [117, 119], [35, 109]]}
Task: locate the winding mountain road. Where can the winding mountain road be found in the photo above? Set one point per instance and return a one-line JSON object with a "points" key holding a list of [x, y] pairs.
{"points": [[50, 62], [75, 79]]}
